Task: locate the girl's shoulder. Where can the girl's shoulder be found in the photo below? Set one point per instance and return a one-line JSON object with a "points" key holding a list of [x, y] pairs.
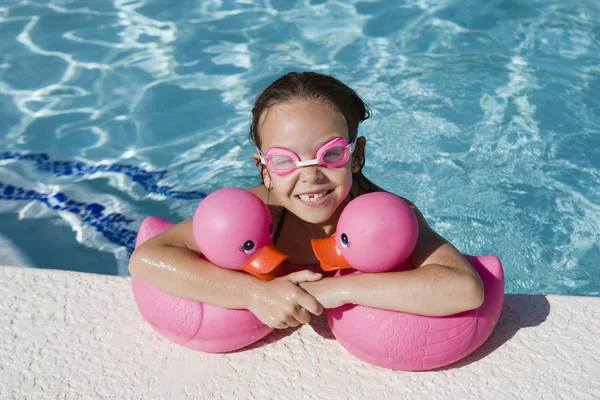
{"points": [[367, 186], [262, 193], [259, 191]]}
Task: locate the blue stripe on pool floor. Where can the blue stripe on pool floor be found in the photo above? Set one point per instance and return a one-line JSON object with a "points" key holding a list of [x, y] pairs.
{"points": [[114, 226]]}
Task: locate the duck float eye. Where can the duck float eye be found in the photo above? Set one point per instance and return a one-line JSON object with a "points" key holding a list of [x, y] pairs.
{"points": [[248, 247], [344, 240], [271, 230]]}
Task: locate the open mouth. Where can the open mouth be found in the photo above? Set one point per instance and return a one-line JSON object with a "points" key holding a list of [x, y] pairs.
{"points": [[314, 197]]}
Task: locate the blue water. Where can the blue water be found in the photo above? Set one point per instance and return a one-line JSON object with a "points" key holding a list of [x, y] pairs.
{"points": [[486, 115]]}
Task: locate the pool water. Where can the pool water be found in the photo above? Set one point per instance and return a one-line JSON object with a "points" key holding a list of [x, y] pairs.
{"points": [[486, 116]]}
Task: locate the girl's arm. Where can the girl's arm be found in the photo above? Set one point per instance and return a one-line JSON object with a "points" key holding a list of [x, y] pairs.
{"points": [[442, 283], [171, 262]]}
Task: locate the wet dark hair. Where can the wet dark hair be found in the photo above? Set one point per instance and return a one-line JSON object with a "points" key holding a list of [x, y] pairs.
{"points": [[324, 88]]}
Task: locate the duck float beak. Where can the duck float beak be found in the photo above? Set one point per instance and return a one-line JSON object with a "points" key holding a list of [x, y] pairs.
{"points": [[329, 254], [265, 264]]}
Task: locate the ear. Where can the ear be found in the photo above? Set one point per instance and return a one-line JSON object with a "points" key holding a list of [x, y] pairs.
{"points": [[263, 171], [257, 162], [359, 154]]}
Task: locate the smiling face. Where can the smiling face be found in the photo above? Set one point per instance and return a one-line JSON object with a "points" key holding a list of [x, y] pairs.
{"points": [[313, 193]]}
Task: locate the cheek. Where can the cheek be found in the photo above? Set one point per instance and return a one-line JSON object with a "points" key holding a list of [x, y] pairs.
{"points": [[281, 187], [339, 176], [343, 180], [346, 179]]}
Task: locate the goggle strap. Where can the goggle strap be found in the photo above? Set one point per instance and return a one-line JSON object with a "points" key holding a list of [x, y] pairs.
{"points": [[316, 161], [262, 156], [353, 145]]}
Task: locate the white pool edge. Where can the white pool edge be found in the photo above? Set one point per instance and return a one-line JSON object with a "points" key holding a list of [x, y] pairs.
{"points": [[75, 335]]}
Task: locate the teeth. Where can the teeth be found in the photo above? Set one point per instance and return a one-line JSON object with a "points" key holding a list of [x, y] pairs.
{"points": [[312, 197]]}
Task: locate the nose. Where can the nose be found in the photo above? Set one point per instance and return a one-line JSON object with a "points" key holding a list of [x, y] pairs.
{"points": [[311, 174]]}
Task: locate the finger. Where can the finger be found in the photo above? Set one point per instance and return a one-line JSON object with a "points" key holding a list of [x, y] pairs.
{"points": [[281, 325], [302, 316], [303, 276], [310, 304], [292, 322]]}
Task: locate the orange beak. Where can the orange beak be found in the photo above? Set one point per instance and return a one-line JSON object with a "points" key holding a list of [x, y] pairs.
{"points": [[329, 254], [265, 264]]}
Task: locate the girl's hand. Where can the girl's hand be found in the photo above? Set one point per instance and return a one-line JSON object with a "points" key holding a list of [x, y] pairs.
{"points": [[327, 291], [280, 303]]}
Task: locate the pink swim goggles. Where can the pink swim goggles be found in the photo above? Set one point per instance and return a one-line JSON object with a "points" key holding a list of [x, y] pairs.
{"points": [[333, 154]]}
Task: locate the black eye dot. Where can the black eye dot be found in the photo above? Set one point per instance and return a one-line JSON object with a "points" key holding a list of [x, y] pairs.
{"points": [[344, 239], [249, 245], [271, 230]]}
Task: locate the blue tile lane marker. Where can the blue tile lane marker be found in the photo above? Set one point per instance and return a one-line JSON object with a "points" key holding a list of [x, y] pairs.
{"points": [[112, 226]]}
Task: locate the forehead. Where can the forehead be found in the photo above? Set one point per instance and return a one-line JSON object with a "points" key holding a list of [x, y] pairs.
{"points": [[300, 125]]}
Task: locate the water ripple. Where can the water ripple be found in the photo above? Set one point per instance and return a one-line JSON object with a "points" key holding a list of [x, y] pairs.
{"points": [[486, 115]]}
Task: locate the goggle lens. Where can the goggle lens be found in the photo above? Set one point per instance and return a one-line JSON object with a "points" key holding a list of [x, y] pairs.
{"points": [[335, 154], [281, 163]]}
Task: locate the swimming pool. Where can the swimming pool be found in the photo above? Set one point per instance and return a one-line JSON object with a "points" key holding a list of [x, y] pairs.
{"points": [[486, 115]]}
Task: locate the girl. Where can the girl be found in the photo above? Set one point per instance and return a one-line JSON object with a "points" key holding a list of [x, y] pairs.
{"points": [[298, 118]]}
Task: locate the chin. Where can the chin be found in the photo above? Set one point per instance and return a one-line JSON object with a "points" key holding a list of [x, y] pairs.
{"points": [[315, 219], [318, 215]]}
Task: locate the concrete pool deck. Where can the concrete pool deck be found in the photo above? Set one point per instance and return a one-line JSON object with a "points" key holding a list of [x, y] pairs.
{"points": [[71, 335]]}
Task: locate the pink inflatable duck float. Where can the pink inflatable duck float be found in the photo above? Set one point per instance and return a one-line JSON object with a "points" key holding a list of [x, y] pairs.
{"points": [[377, 232], [233, 230]]}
